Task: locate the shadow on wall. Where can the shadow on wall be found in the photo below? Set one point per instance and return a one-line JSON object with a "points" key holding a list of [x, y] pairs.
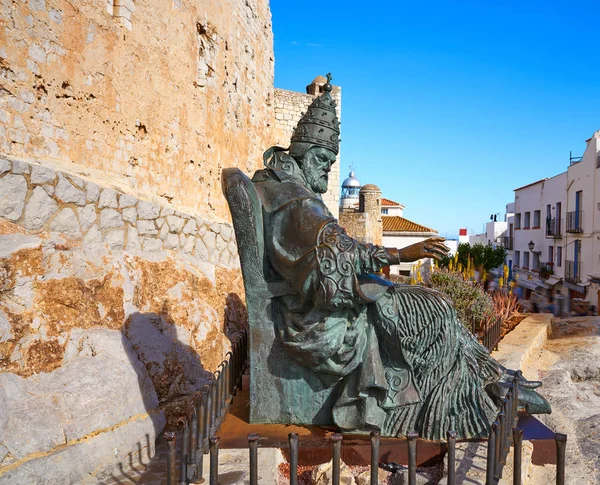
{"points": [[176, 376]]}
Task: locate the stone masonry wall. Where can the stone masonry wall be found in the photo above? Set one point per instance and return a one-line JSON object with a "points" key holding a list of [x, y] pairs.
{"points": [[289, 106], [112, 311], [155, 95]]}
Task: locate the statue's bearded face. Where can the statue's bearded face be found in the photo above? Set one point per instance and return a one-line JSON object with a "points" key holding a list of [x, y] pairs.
{"points": [[316, 165]]}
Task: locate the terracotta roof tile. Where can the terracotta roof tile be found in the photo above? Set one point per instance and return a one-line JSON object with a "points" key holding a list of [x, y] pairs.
{"points": [[389, 202], [400, 224]]}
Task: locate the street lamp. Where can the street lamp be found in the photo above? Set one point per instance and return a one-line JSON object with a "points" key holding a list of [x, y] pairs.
{"points": [[531, 245]]}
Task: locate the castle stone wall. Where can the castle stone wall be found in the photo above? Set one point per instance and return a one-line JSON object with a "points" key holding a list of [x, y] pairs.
{"points": [[289, 107], [157, 95], [113, 310]]}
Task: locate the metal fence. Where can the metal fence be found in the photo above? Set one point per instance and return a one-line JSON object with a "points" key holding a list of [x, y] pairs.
{"points": [[491, 335], [199, 438]]}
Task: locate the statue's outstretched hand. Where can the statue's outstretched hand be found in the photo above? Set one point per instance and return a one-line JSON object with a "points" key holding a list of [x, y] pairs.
{"points": [[433, 247]]}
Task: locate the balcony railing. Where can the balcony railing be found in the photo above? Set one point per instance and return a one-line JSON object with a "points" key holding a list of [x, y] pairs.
{"points": [[573, 271], [575, 221], [507, 242], [553, 228]]}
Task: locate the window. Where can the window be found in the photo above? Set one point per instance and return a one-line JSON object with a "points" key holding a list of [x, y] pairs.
{"points": [[525, 260], [527, 221], [551, 254], [597, 161], [517, 259], [558, 255], [384, 211], [518, 221], [536, 219], [536, 261]]}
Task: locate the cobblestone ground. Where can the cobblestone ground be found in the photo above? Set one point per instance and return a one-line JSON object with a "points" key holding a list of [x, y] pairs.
{"points": [[569, 366]]}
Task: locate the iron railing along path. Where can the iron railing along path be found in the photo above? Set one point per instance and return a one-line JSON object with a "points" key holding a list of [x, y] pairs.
{"points": [[503, 434]]}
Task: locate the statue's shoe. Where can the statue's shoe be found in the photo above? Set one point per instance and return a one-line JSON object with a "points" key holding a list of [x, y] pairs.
{"points": [[529, 400]]}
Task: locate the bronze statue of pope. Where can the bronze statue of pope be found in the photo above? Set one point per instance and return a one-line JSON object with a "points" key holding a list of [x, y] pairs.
{"points": [[398, 355]]}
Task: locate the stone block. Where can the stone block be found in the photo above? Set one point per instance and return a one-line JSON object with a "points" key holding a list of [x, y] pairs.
{"points": [[19, 167], [146, 227], [166, 211], [322, 474], [66, 223], [39, 209], [190, 227], [78, 182], [188, 246], [210, 240], [67, 192], [92, 191], [127, 200], [5, 165], [130, 214], [171, 241], [42, 175], [175, 223], [133, 239], [201, 252], [110, 218], [87, 216], [164, 232], [93, 236], [151, 243], [115, 239], [13, 190], [147, 210], [108, 198], [128, 4]]}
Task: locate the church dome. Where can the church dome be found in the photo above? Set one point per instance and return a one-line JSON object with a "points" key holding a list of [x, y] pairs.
{"points": [[370, 188], [351, 181]]}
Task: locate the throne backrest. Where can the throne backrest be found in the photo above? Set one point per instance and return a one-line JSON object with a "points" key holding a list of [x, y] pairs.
{"points": [[246, 212]]}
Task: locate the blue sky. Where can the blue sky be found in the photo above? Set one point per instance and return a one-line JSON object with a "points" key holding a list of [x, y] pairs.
{"points": [[450, 106]]}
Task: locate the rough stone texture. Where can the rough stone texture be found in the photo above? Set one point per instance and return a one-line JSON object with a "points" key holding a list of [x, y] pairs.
{"points": [[73, 74], [58, 283], [322, 474], [39, 209], [568, 364], [66, 222], [67, 192], [110, 218], [42, 175], [13, 189]]}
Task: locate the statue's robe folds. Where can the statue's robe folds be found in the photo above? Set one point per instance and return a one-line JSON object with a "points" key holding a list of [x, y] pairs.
{"points": [[402, 360]]}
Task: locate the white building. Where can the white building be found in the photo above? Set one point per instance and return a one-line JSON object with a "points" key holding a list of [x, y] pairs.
{"points": [[399, 232], [557, 230], [537, 257]]}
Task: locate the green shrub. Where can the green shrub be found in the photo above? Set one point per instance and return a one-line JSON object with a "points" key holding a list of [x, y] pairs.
{"points": [[473, 306]]}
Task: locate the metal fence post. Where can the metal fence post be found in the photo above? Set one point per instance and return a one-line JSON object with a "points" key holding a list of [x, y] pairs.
{"points": [[375, 440], [207, 396], [253, 445], [336, 448], [214, 460], [518, 451], [412, 458], [171, 458], [213, 407], [490, 470], [451, 435], [293, 441], [561, 448], [184, 453], [201, 413]]}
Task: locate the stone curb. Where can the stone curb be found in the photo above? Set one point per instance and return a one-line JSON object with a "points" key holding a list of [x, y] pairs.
{"points": [[519, 346]]}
